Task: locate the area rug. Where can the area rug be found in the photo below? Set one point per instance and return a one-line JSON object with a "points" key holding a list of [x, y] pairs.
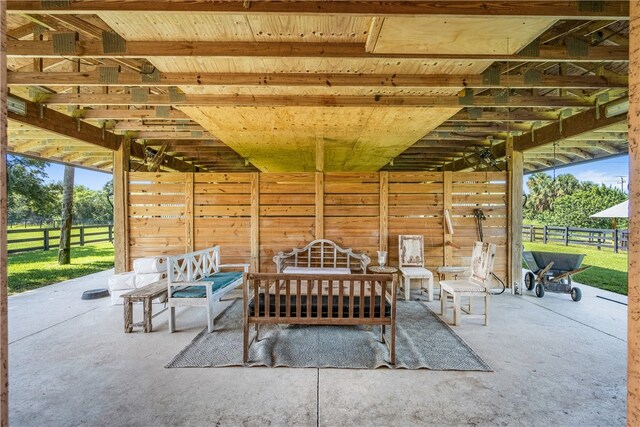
{"points": [[423, 341]]}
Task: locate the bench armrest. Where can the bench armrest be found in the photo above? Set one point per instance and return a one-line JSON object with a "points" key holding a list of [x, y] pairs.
{"points": [[245, 267]]}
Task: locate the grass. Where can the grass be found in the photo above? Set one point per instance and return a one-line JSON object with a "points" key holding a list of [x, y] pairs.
{"points": [[32, 270], [608, 270]]}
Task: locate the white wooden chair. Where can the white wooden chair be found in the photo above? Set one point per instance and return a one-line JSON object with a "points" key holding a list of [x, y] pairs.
{"points": [[411, 264], [478, 284]]}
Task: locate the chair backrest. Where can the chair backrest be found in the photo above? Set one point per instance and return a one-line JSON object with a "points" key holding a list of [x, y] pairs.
{"points": [[411, 250], [482, 259]]}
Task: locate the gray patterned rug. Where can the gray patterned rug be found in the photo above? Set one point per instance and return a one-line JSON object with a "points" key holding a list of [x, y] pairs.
{"points": [[422, 341]]}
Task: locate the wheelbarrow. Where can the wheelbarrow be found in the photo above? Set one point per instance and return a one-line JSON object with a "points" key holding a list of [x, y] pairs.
{"points": [[551, 272]]}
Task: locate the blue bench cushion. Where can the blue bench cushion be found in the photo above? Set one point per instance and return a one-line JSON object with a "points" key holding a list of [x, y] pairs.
{"points": [[218, 281]]}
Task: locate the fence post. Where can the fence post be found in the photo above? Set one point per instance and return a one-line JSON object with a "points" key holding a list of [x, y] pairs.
{"points": [[111, 233], [81, 235], [544, 234], [616, 245], [531, 231], [566, 236], [46, 239]]}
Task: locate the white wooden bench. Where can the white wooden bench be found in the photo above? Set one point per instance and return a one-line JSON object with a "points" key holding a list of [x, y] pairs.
{"points": [[322, 253], [195, 279]]}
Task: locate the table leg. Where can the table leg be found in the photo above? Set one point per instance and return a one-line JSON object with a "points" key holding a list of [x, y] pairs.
{"points": [[128, 315], [148, 315]]}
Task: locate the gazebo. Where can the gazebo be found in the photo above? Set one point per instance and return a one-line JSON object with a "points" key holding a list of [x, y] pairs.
{"points": [[262, 125]]}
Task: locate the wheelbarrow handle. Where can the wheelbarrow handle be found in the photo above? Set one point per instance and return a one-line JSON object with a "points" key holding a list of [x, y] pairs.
{"points": [[569, 273], [542, 272]]}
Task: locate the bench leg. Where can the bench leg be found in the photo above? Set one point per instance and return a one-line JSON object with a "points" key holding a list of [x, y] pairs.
{"points": [[430, 288], [209, 318], [443, 299], [392, 346], [486, 309], [382, 331], [456, 309], [128, 315], [245, 342], [148, 314], [172, 319]]}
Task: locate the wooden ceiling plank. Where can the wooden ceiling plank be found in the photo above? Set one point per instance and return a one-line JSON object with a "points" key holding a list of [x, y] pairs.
{"points": [[92, 78], [560, 9], [143, 49], [130, 114]]}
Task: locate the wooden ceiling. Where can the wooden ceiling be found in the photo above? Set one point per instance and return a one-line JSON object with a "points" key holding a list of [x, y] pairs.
{"points": [[301, 86]]}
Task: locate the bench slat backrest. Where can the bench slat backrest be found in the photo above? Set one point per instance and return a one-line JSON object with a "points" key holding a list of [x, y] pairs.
{"points": [[193, 266], [347, 297], [322, 253]]}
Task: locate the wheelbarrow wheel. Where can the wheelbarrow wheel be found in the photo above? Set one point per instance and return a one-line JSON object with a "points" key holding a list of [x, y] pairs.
{"points": [[576, 294], [539, 290], [529, 281]]}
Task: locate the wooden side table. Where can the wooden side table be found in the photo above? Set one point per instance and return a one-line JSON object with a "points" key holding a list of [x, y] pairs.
{"points": [[146, 294]]}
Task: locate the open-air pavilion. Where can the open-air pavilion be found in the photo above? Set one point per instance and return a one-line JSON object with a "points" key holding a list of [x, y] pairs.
{"points": [[260, 126]]}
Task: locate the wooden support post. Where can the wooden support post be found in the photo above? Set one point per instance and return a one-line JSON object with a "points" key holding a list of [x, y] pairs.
{"points": [[515, 166], [384, 211], [566, 236], [447, 191], [319, 205], [4, 331], [121, 205], [188, 213], [633, 334], [255, 222]]}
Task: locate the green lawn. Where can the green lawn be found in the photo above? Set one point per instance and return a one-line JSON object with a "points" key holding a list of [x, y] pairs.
{"points": [[32, 270], [608, 270]]}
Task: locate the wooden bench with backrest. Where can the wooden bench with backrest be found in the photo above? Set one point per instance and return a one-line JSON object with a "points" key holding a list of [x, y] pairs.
{"points": [[320, 299], [322, 253], [197, 279]]}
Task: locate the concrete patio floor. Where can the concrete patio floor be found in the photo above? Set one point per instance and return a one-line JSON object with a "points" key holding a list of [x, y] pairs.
{"points": [[556, 362]]}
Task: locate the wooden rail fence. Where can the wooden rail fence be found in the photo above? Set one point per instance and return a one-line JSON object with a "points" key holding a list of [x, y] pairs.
{"points": [[596, 237], [36, 239]]}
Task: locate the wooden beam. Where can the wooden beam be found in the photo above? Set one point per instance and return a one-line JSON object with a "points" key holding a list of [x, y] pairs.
{"points": [[633, 324], [63, 125], [121, 203], [314, 100], [515, 171], [542, 8], [143, 49], [122, 114], [319, 203], [504, 116], [137, 150], [384, 212], [92, 78], [4, 260], [255, 222]]}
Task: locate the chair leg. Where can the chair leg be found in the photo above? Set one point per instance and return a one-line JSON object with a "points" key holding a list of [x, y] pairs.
{"points": [[407, 288], [486, 309], [456, 309], [430, 288], [172, 319], [443, 298], [470, 308]]}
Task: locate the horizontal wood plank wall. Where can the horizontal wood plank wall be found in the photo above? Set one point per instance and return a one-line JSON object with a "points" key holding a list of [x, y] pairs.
{"points": [[222, 214], [157, 210], [286, 210], [486, 191], [287, 214], [352, 210], [416, 207]]}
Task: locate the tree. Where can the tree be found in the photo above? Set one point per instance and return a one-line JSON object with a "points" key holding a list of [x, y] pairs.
{"points": [[28, 197], [64, 252], [574, 210], [91, 206]]}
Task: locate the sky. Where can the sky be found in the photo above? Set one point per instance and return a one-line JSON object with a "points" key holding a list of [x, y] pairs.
{"points": [[92, 179], [606, 171]]}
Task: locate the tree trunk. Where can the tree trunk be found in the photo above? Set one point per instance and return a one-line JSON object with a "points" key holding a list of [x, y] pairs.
{"points": [[64, 253]]}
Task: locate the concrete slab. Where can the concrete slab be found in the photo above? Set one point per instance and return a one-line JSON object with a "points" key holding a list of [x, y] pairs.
{"points": [[555, 362]]}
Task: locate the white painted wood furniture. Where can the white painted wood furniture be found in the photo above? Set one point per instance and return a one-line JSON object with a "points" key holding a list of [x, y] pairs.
{"points": [[322, 253], [478, 284], [196, 279], [313, 270], [411, 264]]}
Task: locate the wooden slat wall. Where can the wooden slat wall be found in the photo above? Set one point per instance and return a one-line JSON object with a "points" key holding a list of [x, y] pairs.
{"points": [[352, 210], [222, 214], [287, 214], [173, 213], [486, 191], [416, 207], [157, 214]]}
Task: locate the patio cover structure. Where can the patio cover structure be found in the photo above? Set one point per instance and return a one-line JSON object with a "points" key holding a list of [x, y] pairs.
{"points": [[375, 90]]}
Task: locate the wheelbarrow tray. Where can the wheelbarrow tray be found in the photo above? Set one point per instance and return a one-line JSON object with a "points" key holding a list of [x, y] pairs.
{"points": [[562, 263]]}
